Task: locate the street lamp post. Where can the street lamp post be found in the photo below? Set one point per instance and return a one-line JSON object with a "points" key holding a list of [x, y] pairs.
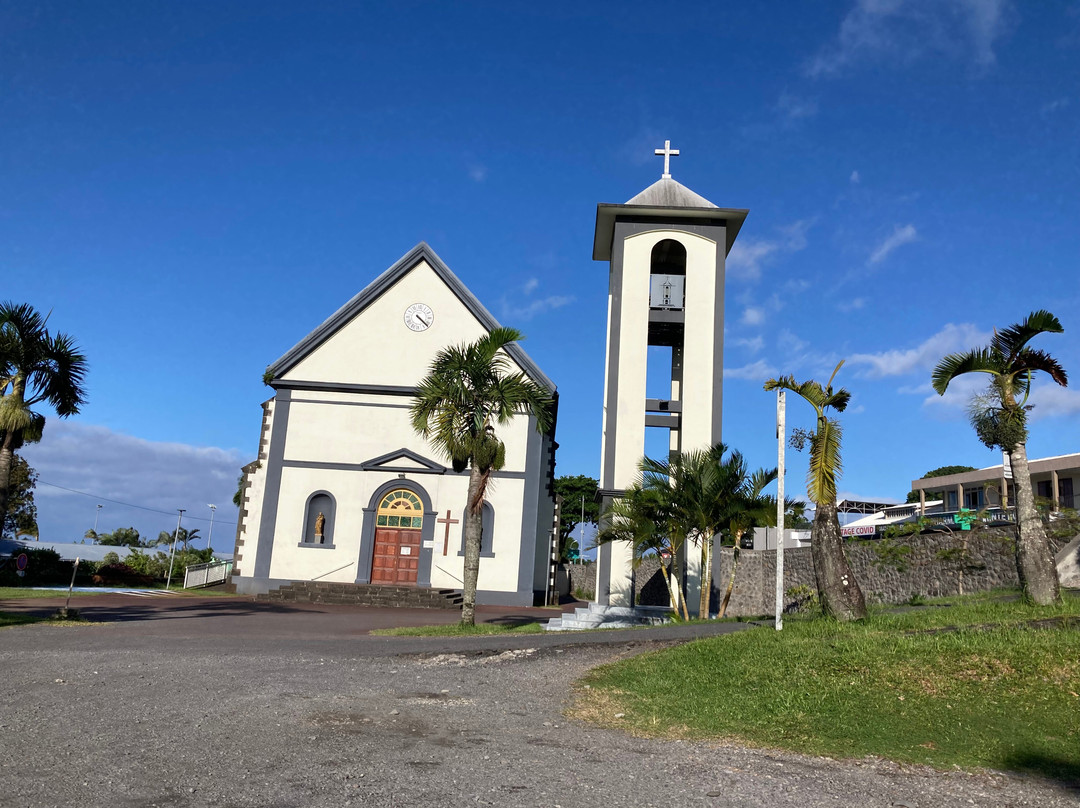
{"points": [[97, 513], [210, 535], [172, 547]]}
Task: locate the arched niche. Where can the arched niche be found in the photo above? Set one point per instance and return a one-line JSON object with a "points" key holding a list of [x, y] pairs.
{"points": [[487, 532], [319, 502]]}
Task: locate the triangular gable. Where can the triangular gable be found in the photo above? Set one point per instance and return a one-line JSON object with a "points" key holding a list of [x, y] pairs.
{"points": [[421, 252], [404, 460]]}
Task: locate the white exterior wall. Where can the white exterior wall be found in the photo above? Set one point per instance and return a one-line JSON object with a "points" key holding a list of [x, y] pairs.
{"points": [[320, 438]]}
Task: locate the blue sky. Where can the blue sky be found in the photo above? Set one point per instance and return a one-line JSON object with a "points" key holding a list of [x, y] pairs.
{"points": [[192, 187]]}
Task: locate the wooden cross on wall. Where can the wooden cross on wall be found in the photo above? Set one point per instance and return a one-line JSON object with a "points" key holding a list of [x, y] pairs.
{"points": [[446, 537]]}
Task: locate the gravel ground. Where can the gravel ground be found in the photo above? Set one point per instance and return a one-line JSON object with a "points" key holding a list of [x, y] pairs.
{"points": [[96, 716]]}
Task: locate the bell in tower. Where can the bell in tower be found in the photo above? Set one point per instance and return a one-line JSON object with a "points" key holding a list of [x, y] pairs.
{"points": [[666, 250]]}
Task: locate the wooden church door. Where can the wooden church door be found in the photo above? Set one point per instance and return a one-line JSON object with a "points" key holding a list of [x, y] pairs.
{"points": [[398, 522]]}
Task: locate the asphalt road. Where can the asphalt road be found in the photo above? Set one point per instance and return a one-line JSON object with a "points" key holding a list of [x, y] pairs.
{"points": [[194, 710]]}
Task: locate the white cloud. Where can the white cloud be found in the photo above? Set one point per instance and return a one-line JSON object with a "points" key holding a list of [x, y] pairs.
{"points": [[789, 342], [754, 344], [906, 30], [477, 172], [755, 371], [1052, 400], [855, 179], [957, 396], [1051, 107], [852, 305], [748, 255], [793, 108], [112, 466], [525, 307], [753, 315], [950, 339], [900, 236]]}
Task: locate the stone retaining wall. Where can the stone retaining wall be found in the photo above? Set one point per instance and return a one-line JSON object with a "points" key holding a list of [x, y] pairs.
{"points": [[889, 571]]}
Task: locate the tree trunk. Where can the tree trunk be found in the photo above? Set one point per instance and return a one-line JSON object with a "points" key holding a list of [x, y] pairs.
{"points": [[668, 573], [731, 580], [706, 576], [474, 525], [1034, 561], [7, 452], [838, 590]]}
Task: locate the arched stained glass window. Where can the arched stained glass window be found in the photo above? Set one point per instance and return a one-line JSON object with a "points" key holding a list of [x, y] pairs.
{"points": [[400, 508]]}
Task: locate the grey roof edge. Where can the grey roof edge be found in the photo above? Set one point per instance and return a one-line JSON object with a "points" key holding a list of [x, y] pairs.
{"points": [[377, 287], [607, 212]]}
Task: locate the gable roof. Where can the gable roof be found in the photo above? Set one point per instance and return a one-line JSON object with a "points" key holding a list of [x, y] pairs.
{"points": [[421, 252], [422, 465]]}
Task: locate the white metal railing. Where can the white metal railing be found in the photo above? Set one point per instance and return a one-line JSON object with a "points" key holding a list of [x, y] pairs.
{"points": [[215, 572]]}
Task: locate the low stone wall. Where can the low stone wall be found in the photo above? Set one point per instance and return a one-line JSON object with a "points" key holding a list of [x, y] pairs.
{"points": [[889, 571]]}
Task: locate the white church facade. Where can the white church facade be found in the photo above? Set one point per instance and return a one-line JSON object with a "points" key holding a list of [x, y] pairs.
{"points": [[345, 491]]}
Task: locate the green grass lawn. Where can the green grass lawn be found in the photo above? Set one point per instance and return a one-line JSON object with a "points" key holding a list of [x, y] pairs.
{"points": [[458, 630], [971, 684], [23, 593]]}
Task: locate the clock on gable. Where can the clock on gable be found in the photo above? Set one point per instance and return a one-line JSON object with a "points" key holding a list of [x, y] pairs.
{"points": [[419, 317]]}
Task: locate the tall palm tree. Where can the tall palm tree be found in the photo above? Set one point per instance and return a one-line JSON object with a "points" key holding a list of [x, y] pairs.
{"points": [[840, 594], [469, 390], [1000, 420], [646, 519], [751, 507], [36, 367]]}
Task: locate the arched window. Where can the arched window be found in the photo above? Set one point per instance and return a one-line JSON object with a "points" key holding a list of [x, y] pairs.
{"points": [[668, 258], [667, 279], [487, 532], [400, 508], [319, 531]]}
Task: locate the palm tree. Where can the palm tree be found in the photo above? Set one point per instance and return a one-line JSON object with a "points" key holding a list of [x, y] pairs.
{"points": [[840, 594], [646, 519], [469, 390], [704, 488], [36, 367], [1000, 420], [751, 507]]}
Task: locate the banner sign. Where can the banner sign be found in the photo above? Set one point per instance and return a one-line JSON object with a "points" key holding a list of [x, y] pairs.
{"points": [[858, 530]]}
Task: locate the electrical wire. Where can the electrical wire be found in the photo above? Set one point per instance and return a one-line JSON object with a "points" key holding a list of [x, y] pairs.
{"points": [[131, 505]]}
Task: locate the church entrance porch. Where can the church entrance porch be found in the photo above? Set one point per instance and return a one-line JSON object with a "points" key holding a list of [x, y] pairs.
{"points": [[399, 521]]}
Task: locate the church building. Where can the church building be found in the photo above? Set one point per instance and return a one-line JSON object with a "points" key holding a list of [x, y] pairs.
{"points": [[345, 491]]}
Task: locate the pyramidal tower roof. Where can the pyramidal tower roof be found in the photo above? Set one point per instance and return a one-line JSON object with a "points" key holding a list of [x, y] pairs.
{"points": [[667, 193], [665, 201]]}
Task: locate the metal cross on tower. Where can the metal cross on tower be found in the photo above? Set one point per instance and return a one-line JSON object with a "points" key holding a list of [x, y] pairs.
{"points": [[668, 153]]}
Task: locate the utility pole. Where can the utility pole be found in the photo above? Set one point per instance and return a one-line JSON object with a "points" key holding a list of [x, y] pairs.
{"points": [[172, 547], [780, 430], [581, 541], [97, 513], [210, 535]]}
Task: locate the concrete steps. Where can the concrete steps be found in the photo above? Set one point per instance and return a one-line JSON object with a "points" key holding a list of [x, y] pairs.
{"points": [[402, 597], [597, 616]]}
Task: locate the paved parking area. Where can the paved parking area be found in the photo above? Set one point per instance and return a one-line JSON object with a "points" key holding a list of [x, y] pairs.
{"points": [[225, 702]]}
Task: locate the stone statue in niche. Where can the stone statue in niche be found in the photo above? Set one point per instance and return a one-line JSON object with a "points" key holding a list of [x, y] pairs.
{"points": [[320, 525]]}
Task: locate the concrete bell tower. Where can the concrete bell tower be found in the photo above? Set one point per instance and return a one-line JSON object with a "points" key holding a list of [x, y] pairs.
{"points": [[666, 250]]}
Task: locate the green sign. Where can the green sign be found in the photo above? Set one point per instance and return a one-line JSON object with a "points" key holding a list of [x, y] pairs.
{"points": [[965, 518]]}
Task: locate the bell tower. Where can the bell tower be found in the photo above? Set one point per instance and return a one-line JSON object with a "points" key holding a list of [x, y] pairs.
{"points": [[666, 250]]}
